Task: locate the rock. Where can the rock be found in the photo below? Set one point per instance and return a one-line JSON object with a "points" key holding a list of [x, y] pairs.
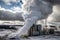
{"points": [[4, 34], [15, 38]]}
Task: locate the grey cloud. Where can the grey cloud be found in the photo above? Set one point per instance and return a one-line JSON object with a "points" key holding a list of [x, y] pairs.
{"points": [[7, 15]]}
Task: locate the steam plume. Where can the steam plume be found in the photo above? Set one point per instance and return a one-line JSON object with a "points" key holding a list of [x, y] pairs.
{"points": [[33, 11], [55, 16]]}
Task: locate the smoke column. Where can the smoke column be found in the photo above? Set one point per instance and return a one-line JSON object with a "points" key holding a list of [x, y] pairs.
{"points": [[34, 10]]}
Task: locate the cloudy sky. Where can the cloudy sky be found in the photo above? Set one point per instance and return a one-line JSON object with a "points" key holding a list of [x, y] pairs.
{"points": [[10, 8], [9, 4]]}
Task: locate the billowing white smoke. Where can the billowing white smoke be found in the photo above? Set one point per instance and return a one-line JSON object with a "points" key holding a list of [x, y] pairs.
{"points": [[37, 8], [55, 17], [33, 11]]}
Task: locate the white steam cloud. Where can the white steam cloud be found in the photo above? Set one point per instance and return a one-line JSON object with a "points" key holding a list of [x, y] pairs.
{"points": [[37, 8], [33, 11], [55, 16]]}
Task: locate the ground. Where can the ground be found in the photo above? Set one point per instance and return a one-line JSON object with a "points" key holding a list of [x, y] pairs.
{"points": [[41, 37], [44, 37]]}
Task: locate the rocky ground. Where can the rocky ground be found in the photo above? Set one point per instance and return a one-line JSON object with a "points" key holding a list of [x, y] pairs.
{"points": [[41, 37], [44, 37], [5, 32]]}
